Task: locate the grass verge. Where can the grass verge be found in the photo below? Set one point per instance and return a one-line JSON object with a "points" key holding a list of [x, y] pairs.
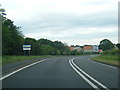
{"points": [[108, 59], [12, 59]]}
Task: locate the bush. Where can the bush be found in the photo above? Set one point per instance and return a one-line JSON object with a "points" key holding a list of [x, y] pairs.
{"points": [[111, 52]]}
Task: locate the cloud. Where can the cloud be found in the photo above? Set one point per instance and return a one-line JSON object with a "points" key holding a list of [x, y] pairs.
{"points": [[69, 21], [78, 34], [54, 22]]}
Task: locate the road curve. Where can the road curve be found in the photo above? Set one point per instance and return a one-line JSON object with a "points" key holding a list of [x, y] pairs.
{"points": [[58, 73]]}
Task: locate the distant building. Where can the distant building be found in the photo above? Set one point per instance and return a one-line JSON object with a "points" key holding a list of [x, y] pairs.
{"points": [[78, 49], [87, 49], [100, 50], [75, 48], [71, 48], [95, 48]]}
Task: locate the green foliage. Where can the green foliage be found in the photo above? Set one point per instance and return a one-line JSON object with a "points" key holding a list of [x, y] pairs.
{"points": [[47, 49], [52, 48], [12, 59], [106, 45], [12, 38], [109, 59], [30, 41], [111, 52], [118, 45], [36, 49]]}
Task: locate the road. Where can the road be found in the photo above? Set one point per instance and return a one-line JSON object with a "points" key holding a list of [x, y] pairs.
{"points": [[64, 72]]}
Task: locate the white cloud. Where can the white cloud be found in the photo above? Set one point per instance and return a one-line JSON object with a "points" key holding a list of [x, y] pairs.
{"points": [[25, 9], [78, 35], [70, 21]]}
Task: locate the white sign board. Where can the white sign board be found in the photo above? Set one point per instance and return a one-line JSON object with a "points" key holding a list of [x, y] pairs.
{"points": [[26, 47]]}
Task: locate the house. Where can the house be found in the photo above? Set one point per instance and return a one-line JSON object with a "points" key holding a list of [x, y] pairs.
{"points": [[87, 49], [71, 48], [75, 48], [78, 49], [95, 48], [100, 51]]}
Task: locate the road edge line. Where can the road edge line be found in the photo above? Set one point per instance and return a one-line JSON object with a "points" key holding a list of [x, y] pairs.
{"points": [[104, 64], [21, 69]]}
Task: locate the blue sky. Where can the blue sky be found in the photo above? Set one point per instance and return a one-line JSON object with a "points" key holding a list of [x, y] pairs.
{"points": [[75, 22]]}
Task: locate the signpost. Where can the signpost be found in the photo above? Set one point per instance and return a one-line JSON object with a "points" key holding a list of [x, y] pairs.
{"points": [[26, 49]]}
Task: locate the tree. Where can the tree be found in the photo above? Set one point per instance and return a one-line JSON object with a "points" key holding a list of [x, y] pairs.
{"points": [[57, 47], [12, 38], [30, 41], [36, 49], [47, 49], [106, 44], [45, 42], [118, 45]]}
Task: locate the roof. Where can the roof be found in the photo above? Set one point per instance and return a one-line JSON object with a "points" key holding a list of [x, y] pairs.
{"points": [[87, 47], [77, 48], [100, 50], [71, 48]]}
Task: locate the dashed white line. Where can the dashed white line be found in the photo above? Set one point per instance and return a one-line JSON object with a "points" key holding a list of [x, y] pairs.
{"points": [[21, 69]]}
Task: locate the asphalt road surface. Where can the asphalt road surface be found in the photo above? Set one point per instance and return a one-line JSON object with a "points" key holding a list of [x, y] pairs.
{"points": [[64, 72]]}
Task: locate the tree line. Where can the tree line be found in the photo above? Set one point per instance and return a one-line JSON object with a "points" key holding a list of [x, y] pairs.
{"points": [[13, 40], [109, 48]]}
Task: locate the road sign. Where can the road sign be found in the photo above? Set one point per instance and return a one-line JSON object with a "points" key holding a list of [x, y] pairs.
{"points": [[25, 46], [26, 49]]}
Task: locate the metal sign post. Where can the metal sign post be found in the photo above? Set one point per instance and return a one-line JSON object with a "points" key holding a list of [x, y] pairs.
{"points": [[26, 49]]}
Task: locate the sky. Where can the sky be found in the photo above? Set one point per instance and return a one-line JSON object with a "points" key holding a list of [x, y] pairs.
{"points": [[75, 22]]}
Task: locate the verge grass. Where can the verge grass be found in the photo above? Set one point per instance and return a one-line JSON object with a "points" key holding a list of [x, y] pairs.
{"points": [[12, 59], [108, 59]]}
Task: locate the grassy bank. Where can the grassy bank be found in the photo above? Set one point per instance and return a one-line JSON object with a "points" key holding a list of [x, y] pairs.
{"points": [[12, 59], [109, 59]]}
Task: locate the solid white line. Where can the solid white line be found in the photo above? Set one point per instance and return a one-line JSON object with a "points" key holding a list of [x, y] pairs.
{"points": [[88, 81], [21, 69], [90, 76], [104, 64]]}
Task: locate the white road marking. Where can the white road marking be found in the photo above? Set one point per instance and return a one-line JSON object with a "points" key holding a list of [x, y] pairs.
{"points": [[103, 64], [93, 85], [88, 81], [21, 69], [89, 76]]}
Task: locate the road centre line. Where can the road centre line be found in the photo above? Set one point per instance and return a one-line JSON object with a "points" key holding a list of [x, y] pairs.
{"points": [[21, 69], [88, 81], [74, 66], [89, 76]]}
